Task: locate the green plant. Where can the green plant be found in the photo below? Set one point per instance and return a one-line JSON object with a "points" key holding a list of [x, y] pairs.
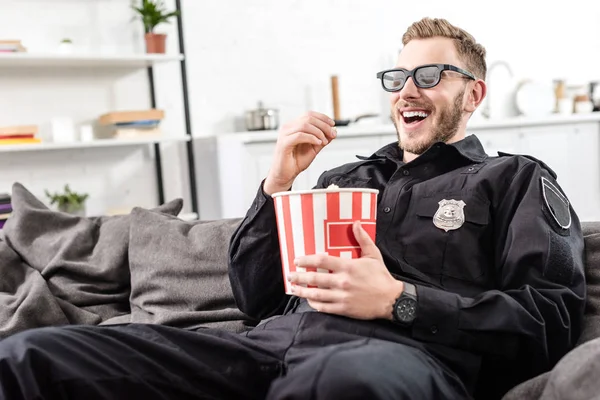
{"points": [[66, 41], [153, 13], [68, 199]]}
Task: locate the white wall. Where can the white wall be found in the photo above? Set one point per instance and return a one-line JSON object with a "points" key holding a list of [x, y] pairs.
{"points": [[241, 51], [283, 52]]}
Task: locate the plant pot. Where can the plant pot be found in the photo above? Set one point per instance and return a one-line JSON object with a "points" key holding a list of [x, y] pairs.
{"points": [[155, 43], [74, 209]]}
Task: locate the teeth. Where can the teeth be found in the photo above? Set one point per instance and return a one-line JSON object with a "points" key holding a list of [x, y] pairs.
{"points": [[409, 114]]}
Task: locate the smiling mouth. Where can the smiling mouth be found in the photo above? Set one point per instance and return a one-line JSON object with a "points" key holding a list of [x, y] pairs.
{"points": [[414, 117]]}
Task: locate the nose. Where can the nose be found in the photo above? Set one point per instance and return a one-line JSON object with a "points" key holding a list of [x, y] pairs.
{"points": [[410, 90]]}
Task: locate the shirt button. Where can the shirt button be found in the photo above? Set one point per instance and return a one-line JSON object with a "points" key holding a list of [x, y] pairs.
{"points": [[434, 329], [387, 210], [406, 172]]}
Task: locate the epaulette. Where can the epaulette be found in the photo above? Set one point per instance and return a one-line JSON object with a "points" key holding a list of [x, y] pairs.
{"points": [[532, 158]]}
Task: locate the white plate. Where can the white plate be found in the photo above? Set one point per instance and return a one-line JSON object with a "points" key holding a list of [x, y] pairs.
{"points": [[535, 99]]}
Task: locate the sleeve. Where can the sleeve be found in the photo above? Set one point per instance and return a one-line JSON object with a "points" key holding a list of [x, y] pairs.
{"points": [[255, 260], [538, 306]]}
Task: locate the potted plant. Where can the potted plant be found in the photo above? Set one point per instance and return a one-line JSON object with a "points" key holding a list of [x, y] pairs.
{"points": [[153, 13], [69, 201], [65, 46]]}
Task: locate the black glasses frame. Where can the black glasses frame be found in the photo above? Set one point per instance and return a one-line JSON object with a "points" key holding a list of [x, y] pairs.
{"points": [[411, 74]]}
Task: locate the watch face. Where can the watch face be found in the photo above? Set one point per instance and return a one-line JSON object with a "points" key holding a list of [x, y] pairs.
{"points": [[406, 310]]}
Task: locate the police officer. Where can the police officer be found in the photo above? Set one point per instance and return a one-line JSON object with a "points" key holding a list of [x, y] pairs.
{"points": [[474, 284]]}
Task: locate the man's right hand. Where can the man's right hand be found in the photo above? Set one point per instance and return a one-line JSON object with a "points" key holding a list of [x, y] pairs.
{"points": [[298, 144]]}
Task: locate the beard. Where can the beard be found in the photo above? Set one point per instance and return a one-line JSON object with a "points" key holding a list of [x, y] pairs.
{"points": [[443, 129]]}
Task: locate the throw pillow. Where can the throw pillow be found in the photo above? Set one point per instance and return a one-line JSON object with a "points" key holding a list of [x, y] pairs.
{"points": [[25, 300], [83, 260], [179, 272]]}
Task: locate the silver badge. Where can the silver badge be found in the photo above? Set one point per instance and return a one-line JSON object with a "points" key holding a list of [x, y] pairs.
{"points": [[450, 215]]}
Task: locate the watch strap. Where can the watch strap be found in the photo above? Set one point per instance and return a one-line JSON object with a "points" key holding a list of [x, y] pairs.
{"points": [[411, 289]]}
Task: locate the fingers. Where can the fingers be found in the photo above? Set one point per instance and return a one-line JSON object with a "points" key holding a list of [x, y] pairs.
{"points": [[306, 127], [330, 308], [318, 295], [312, 123], [323, 122], [321, 117], [302, 137], [323, 261], [318, 279], [367, 246]]}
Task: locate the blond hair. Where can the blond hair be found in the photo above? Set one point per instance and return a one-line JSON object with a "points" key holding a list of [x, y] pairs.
{"points": [[469, 51]]}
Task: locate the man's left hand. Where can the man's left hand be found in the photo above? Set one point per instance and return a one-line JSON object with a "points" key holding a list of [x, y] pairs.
{"points": [[361, 288]]}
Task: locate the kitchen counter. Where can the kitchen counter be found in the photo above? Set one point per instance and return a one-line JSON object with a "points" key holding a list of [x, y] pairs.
{"points": [[479, 124]]}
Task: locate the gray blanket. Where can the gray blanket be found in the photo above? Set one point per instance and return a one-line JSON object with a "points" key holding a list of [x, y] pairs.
{"points": [[58, 269]]}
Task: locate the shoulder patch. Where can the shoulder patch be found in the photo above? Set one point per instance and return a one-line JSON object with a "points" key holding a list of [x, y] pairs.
{"points": [[557, 204], [532, 158]]}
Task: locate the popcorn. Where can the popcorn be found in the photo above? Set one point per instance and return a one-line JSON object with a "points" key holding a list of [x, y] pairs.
{"points": [[333, 186]]}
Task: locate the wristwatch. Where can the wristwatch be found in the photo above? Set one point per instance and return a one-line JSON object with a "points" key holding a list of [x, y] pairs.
{"points": [[405, 307]]}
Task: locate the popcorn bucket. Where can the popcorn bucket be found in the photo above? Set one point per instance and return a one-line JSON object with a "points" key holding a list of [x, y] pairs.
{"points": [[320, 221]]}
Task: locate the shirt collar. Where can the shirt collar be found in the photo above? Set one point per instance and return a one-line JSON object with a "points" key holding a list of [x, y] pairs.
{"points": [[470, 148]]}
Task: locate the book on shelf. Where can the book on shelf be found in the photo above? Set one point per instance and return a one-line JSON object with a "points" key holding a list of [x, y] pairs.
{"points": [[19, 141], [22, 134], [19, 130], [121, 117], [4, 198], [12, 46], [134, 133]]}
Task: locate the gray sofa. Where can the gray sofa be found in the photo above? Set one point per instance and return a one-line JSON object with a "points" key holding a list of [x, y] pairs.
{"points": [[151, 267]]}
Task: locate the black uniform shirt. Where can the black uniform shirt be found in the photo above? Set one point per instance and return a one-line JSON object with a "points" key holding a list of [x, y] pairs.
{"points": [[507, 281]]}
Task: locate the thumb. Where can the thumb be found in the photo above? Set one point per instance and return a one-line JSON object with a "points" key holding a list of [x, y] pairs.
{"points": [[367, 246]]}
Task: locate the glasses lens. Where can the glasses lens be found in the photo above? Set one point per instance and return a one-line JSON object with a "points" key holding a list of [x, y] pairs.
{"points": [[394, 80], [427, 76]]}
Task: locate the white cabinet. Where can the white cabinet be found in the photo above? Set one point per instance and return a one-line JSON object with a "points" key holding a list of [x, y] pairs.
{"points": [[230, 167], [572, 152], [495, 140]]}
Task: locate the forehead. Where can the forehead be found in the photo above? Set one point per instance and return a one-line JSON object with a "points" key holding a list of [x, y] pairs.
{"points": [[438, 50]]}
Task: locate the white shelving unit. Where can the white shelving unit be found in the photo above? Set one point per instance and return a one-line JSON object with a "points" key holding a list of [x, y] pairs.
{"points": [[94, 143], [134, 61], [92, 62]]}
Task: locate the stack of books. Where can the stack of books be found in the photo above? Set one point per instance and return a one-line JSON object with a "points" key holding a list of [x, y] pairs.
{"points": [[11, 46], [133, 124], [5, 208], [24, 134]]}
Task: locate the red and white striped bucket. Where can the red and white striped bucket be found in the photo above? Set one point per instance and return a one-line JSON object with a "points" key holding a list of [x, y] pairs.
{"points": [[320, 221]]}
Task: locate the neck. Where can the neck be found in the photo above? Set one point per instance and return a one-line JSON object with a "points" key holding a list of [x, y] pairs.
{"points": [[458, 136], [408, 157]]}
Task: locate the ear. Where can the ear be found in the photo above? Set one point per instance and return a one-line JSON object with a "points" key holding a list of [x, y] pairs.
{"points": [[476, 95]]}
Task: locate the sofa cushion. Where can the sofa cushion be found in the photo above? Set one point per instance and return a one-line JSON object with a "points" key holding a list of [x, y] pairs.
{"points": [[179, 272], [591, 323], [83, 260], [576, 374]]}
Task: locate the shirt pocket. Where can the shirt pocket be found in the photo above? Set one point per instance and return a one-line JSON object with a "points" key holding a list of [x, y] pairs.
{"points": [[458, 247], [346, 181]]}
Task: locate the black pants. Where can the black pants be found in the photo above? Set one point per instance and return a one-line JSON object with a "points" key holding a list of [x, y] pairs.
{"points": [[300, 356]]}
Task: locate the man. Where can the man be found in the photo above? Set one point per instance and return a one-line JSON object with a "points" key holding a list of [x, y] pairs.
{"points": [[475, 281]]}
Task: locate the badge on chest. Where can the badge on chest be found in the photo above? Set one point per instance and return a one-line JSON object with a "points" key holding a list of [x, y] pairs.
{"points": [[450, 215]]}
